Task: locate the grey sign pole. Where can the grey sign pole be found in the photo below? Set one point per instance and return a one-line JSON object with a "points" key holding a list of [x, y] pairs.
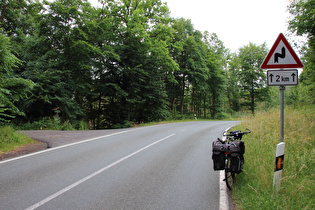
{"points": [[280, 147], [282, 89], [283, 58]]}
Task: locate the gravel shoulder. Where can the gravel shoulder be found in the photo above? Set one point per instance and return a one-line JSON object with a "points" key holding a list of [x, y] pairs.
{"points": [[54, 138]]}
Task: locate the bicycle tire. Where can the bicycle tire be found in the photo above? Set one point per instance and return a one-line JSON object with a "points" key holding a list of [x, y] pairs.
{"points": [[229, 176]]}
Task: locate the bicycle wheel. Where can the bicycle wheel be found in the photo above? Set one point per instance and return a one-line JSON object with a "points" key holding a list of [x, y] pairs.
{"points": [[229, 176]]}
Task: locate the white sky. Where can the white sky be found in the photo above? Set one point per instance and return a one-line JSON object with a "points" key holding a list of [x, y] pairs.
{"points": [[236, 22]]}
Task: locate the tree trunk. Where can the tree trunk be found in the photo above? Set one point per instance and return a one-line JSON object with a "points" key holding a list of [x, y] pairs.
{"points": [[193, 107], [183, 94], [99, 111], [252, 103], [204, 106]]}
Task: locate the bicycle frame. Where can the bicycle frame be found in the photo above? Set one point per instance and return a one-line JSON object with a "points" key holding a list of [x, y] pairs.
{"points": [[229, 173]]}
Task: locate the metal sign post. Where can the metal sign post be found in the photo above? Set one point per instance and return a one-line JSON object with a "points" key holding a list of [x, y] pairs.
{"points": [[281, 57], [281, 88], [280, 147]]}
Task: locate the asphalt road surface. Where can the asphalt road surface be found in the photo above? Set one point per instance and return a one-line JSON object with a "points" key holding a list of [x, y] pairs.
{"points": [[165, 166]]}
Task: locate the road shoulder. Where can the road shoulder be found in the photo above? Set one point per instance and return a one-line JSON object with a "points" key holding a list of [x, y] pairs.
{"points": [[53, 138], [24, 150]]}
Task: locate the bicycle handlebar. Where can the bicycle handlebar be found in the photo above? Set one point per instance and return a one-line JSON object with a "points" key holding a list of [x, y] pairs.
{"points": [[237, 134]]}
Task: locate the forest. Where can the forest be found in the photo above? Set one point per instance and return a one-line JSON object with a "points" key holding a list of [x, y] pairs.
{"points": [[128, 62]]}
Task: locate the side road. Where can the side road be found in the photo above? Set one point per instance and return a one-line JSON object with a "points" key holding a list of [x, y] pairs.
{"points": [[54, 138]]}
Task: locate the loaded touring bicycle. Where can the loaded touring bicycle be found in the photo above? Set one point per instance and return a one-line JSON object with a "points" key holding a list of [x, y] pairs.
{"points": [[228, 155]]}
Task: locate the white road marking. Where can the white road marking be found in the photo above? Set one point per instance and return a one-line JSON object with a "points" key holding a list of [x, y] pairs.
{"points": [[67, 145], [224, 201], [42, 202]]}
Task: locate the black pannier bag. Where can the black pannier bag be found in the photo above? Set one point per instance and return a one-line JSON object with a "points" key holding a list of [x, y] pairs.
{"points": [[237, 149], [218, 155]]}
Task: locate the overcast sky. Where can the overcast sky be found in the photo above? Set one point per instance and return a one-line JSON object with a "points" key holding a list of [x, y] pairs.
{"points": [[236, 22]]}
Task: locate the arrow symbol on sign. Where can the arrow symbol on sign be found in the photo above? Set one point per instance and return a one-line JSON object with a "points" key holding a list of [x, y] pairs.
{"points": [[271, 76], [278, 55], [293, 76]]}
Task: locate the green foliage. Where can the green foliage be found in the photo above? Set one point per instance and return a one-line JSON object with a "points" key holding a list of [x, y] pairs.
{"points": [[246, 82], [222, 116], [53, 123], [200, 76], [303, 23], [254, 187], [12, 88], [16, 17], [233, 88], [128, 61], [252, 78], [10, 139]]}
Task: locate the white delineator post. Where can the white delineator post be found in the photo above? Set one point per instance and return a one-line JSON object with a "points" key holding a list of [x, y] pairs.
{"points": [[282, 59], [279, 165]]}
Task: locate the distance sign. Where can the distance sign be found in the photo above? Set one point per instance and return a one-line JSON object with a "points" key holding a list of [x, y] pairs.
{"points": [[282, 77]]}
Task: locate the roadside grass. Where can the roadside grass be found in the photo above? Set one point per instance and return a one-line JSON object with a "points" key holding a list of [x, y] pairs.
{"points": [[11, 140], [169, 121], [254, 187], [230, 118]]}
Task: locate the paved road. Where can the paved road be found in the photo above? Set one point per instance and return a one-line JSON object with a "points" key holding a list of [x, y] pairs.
{"points": [[157, 167]]}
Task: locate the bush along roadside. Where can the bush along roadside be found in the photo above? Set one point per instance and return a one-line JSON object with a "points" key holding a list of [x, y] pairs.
{"points": [[254, 188], [11, 140]]}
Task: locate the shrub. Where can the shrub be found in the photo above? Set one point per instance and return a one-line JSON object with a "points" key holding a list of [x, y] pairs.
{"points": [[10, 139]]}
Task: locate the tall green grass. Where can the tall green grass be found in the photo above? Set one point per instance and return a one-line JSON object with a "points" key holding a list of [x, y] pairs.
{"points": [[254, 187], [11, 140]]}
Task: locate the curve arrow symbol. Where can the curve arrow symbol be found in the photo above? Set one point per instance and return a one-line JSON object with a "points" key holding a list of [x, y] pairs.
{"points": [[278, 55]]}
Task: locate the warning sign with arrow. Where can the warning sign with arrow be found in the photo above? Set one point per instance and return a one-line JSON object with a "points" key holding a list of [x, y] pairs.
{"points": [[281, 56]]}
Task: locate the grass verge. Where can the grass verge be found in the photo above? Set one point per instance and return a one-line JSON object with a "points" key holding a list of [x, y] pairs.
{"points": [[11, 140], [254, 187]]}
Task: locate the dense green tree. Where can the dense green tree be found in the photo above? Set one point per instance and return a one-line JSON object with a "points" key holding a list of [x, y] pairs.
{"points": [[141, 36], [16, 17], [250, 76], [216, 59], [303, 23], [93, 65], [15, 24], [233, 87], [52, 64], [126, 61], [12, 87], [198, 72], [189, 52]]}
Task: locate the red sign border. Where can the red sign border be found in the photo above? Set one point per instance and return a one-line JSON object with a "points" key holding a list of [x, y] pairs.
{"points": [[281, 37]]}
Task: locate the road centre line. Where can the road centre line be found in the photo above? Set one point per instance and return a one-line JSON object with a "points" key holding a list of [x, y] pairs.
{"points": [[42, 202]]}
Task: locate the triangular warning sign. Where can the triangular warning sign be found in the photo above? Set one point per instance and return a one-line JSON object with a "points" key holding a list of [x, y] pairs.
{"points": [[281, 56]]}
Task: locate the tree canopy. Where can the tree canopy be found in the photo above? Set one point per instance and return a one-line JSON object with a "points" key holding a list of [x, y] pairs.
{"points": [[303, 23], [122, 62]]}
